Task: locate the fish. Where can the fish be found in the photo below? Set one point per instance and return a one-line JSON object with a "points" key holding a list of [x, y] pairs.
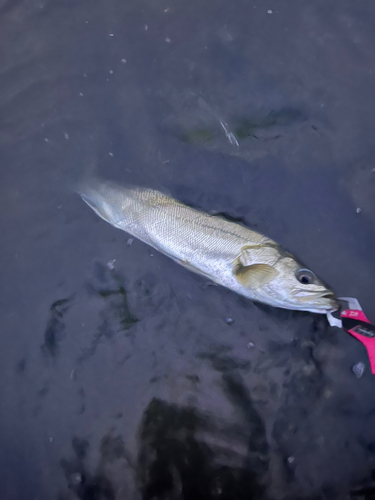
{"points": [[225, 252]]}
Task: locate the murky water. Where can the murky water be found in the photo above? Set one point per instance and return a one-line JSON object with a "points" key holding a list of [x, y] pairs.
{"points": [[124, 376]]}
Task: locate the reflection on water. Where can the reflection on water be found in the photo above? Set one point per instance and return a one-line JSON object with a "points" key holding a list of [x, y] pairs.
{"points": [[123, 375]]}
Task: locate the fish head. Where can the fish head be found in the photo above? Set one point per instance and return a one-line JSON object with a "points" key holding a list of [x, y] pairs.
{"points": [[297, 287], [278, 279]]}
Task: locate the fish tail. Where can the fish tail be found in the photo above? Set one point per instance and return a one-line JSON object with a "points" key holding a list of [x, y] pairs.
{"points": [[89, 189], [108, 200]]}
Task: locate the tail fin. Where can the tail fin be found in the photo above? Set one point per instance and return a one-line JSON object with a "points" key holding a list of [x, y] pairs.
{"points": [[100, 196], [106, 198]]}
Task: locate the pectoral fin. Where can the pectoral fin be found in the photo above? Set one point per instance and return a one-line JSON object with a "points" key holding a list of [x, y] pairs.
{"points": [[255, 275]]}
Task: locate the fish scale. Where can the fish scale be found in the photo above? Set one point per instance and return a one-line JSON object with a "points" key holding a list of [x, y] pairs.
{"points": [[188, 236], [225, 252]]}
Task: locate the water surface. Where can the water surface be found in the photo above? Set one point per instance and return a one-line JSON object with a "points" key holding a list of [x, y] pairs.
{"points": [[124, 376]]}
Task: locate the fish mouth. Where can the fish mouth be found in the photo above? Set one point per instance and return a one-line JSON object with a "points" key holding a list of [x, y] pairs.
{"points": [[327, 295], [331, 303], [321, 306], [308, 294], [324, 301]]}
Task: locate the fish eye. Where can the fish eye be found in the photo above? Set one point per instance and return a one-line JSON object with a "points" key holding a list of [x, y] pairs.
{"points": [[305, 276]]}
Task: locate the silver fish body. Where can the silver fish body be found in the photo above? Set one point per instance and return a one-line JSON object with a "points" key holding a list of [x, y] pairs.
{"points": [[229, 254]]}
